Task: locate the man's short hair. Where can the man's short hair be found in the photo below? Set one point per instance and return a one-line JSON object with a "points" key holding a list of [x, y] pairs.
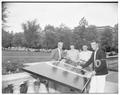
{"points": [[72, 45], [60, 43], [95, 41], [84, 45]]}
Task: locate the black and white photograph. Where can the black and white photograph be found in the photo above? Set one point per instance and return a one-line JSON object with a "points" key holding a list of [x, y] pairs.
{"points": [[64, 47]]}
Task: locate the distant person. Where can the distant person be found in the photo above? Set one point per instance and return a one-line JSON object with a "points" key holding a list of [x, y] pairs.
{"points": [[85, 54], [57, 53], [73, 54], [99, 66]]}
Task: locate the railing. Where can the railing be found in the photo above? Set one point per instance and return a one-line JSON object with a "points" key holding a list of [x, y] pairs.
{"points": [[112, 62], [16, 80]]}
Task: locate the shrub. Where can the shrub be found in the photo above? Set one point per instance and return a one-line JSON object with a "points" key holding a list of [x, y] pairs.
{"points": [[11, 68]]}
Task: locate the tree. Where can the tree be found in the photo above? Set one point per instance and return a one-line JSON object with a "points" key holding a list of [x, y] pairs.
{"points": [[6, 36], [91, 33], [19, 40], [83, 22], [50, 37], [81, 28], [40, 40], [31, 30], [55, 34], [64, 34], [106, 39], [79, 36], [115, 38], [49, 28], [6, 39], [4, 15], [4, 12], [116, 27]]}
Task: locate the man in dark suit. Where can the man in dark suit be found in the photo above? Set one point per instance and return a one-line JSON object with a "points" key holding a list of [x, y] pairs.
{"points": [[57, 53], [99, 66]]}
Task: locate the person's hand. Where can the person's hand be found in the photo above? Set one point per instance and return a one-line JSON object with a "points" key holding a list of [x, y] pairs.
{"points": [[93, 73], [65, 50], [80, 67], [55, 63], [63, 60]]}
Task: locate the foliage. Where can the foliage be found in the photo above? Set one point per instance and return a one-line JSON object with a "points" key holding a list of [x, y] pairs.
{"points": [[64, 34], [83, 22], [19, 40], [106, 39], [115, 38], [6, 39], [35, 37], [11, 67], [4, 13], [84, 33], [31, 30], [91, 33], [50, 37]]}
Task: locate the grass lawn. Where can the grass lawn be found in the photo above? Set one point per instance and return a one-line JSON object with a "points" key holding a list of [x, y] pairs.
{"points": [[24, 57], [11, 60], [29, 57]]}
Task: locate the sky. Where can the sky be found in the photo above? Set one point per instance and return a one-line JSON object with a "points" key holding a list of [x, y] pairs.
{"points": [[99, 14]]}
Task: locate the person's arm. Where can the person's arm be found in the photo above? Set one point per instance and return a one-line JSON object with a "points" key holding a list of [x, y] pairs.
{"points": [[52, 55], [77, 59], [67, 55], [88, 62]]}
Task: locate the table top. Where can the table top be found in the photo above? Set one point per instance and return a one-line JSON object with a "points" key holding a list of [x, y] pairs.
{"points": [[57, 74]]}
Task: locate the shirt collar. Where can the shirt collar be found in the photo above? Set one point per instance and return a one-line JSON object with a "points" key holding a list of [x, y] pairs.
{"points": [[96, 50]]}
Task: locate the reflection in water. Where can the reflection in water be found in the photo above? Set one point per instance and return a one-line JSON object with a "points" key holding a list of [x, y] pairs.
{"points": [[65, 73], [54, 69], [76, 79]]}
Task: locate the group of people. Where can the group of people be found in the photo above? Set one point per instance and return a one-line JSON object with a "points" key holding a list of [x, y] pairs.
{"points": [[72, 54], [95, 60]]}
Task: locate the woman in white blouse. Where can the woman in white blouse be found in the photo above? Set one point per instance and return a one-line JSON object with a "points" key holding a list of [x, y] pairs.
{"points": [[85, 54], [73, 54]]}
